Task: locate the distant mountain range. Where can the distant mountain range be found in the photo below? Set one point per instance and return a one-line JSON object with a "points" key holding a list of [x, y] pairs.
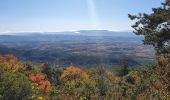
{"points": [[81, 32], [105, 33]]}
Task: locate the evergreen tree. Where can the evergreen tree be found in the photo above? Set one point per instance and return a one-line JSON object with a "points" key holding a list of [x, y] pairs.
{"points": [[155, 27]]}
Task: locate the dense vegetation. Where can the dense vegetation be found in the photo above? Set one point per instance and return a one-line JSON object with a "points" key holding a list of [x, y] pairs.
{"points": [[24, 81]]}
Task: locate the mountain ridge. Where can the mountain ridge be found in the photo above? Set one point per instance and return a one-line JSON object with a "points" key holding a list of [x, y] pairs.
{"points": [[79, 32]]}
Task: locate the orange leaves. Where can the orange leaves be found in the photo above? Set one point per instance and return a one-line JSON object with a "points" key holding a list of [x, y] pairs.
{"points": [[74, 72], [44, 85], [10, 63], [7, 57], [36, 77]]}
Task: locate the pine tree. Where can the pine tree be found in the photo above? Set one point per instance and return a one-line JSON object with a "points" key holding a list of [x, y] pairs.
{"points": [[155, 27]]}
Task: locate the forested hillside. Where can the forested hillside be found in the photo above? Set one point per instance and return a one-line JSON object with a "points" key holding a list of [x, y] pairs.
{"points": [[22, 81]]}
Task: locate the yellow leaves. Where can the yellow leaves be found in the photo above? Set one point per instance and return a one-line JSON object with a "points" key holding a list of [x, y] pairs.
{"points": [[40, 98], [82, 98], [112, 76], [136, 75]]}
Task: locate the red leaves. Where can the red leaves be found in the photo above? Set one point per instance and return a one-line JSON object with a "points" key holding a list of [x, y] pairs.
{"points": [[44, 85], [37, 77]]}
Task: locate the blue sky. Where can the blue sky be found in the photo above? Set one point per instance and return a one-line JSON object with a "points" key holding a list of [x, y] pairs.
{"points": [[70, 15]]}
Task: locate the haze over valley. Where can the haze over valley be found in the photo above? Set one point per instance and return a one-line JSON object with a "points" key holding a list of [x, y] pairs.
{"points": [[83, 48]]}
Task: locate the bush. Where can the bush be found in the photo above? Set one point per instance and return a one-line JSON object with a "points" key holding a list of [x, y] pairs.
{"points": [[14, 86]]}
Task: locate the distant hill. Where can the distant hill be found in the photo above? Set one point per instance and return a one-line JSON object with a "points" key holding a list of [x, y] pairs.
{"points": [[80, 32], [105, 33]]}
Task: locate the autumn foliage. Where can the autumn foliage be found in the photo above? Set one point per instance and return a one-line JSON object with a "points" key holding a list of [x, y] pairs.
{"points": [[74, 72], [10, 63], [8, 57], [44, 85], [36, 77], [75, 83]]}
